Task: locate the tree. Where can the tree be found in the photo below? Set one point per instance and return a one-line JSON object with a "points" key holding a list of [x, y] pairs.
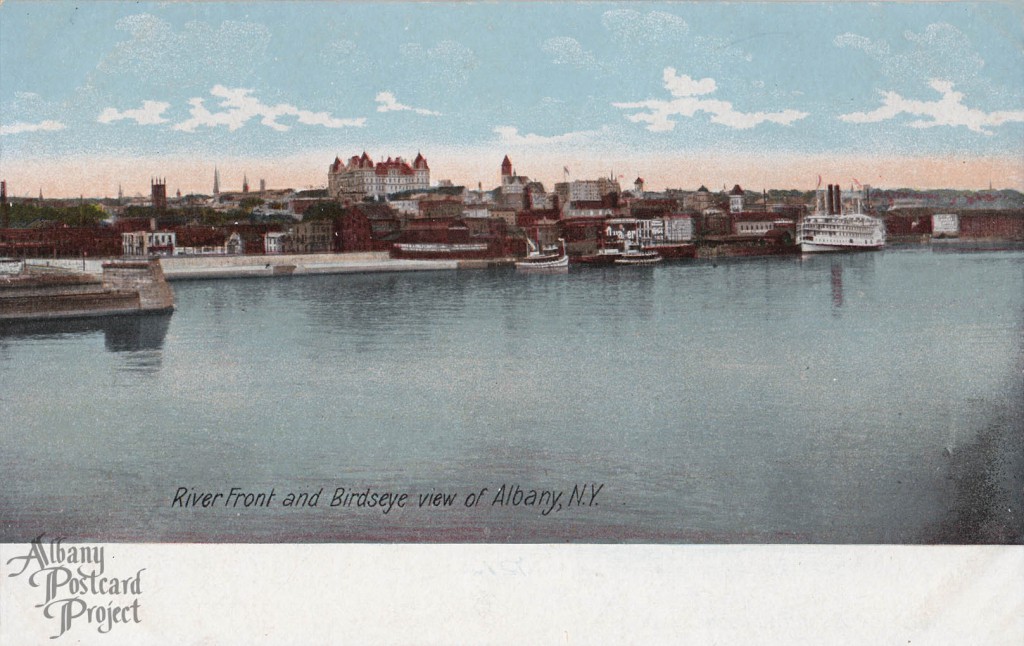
{"points": [[249, 203], [323, 211], [23, 214]]}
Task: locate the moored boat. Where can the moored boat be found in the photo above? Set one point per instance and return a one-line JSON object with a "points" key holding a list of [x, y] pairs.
{"points": [[830, 229], [538, 260], [637, 256], [603, 256]]}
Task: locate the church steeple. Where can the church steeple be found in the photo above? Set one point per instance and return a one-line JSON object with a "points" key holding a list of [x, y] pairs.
{"points": [[216, 181]]}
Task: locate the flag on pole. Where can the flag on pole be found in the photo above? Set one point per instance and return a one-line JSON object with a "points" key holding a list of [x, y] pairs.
{"points": [[819, 183], [857, 183]]}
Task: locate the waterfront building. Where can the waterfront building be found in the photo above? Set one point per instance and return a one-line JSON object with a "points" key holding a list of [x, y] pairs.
{"points": [[310, 237], [538, 199], [384, 222], [589, 209], [274, 241], [440, 208], [471, 211], [478, 197], [200, 241], [513, 192], [659, 221], [360, 177], [736, 199], [507, 214], [235, 245], [945, 225], [700, 200], [148, 243], [754, 227], [587, 190], [158, 193], [678, 228]]}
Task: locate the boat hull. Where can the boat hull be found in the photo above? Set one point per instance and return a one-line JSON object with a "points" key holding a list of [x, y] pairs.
{"points": [[813, 247], [543, 265], [638, 259]]}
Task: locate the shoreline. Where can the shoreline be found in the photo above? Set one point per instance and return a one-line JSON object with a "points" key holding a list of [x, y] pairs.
{"points": [[180, 268], [271, 266], [177, 268]]}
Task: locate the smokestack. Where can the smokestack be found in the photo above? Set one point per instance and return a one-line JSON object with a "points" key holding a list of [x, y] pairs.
{"points": [[6, 221], [830, 203], [839, 202]]}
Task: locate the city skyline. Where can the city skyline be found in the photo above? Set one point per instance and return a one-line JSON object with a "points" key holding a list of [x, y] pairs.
{"points": [[895, 95]]}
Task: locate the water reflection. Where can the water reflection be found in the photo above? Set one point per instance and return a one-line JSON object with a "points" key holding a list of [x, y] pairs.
{"points": [[121, 333], [716, 404], [837, 286]]}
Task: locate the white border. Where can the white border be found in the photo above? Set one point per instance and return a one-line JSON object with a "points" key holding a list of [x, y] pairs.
{"points": [[548, 594]]}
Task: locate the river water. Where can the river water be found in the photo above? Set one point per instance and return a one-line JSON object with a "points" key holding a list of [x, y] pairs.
{"points": [[866, 398]]}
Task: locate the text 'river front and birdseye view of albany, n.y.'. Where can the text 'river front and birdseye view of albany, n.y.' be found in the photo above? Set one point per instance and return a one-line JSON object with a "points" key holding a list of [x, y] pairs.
{"points": [[512, 272]]}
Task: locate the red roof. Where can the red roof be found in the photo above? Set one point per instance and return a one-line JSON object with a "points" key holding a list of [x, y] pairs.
{"points": [[403, 167], [398, 164]]}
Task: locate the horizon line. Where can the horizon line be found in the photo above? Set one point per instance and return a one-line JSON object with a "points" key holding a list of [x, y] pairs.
{"points": [[102, 175]]}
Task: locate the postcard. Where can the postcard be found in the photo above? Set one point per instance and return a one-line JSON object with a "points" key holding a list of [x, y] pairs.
{"points": [[511, 322]]}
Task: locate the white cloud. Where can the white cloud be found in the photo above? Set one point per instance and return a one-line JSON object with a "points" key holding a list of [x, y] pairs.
{"points": [[388, 103], [19, 127], [510, 135], [661, 115], [633, 27], [876, 49], [341, 49], [684, 85], [568, 51], [448, 61], [240, 106], [941, 50], [159, 53], [150, 113], [947, 111]]}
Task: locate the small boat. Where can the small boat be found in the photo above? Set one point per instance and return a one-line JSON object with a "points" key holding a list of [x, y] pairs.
{"points": [[603, 256], [637, 256], [537, 260]]}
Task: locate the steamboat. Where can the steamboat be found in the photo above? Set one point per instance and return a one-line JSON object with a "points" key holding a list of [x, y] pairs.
{"points": [[829, 228]]}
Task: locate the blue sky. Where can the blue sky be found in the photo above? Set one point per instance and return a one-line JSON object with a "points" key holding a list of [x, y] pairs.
{"points": [[599, 85]]}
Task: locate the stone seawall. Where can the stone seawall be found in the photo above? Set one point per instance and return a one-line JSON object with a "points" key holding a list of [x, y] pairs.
{"points": [[99, 303], [144, 277], [126, 288], [92, 266], [199, 267], [34, 284]]}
